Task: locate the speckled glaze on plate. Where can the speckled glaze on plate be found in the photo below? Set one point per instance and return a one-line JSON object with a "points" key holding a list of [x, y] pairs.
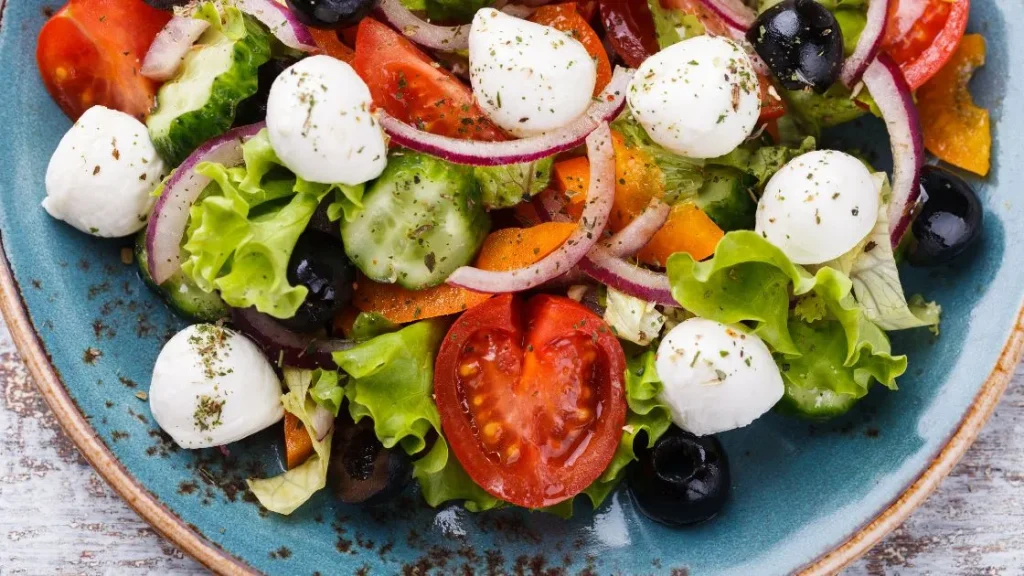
{"points": [[808, 497]]}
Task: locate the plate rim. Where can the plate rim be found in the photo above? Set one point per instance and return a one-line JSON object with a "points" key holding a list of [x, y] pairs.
{"points": [[189, 540]]}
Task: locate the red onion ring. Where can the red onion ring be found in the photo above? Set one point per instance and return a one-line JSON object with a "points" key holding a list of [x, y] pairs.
{"points": [[733, 13], [284, 347], [170, 46], [608, 106], [891, 93], [170, 214], [281, 22], [323, 422], [446, 38], [518, 11], [639, 232], [868, 44], [606, 268], [589, 229]]}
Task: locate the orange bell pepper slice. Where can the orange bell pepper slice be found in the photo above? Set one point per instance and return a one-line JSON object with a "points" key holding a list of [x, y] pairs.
{"points": [[505, 249], [298, 446], [955, 129]]}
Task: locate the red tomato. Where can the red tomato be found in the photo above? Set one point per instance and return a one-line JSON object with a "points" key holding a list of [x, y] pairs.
{"points": [[413, 88], [566, 18], [630, 28], [531, 397], [89, 53], [922, 35]]}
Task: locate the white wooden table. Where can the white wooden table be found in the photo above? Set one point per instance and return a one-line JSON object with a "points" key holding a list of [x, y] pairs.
{"points": [[58, 517]]}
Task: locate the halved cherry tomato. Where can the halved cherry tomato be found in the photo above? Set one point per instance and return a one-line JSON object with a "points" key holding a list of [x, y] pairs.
{"points": [[566, 18], [89, 53], [531, 397], [921, 35], [413, 88]]}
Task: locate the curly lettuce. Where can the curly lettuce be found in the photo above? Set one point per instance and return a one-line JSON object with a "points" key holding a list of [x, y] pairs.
{"points": [[243, 229], [631, 318], [285, 492], [827, 342]]}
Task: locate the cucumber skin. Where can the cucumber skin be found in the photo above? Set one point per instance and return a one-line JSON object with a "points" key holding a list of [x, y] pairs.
{"points": [[194, 304], [190, 130], [409, 181]]}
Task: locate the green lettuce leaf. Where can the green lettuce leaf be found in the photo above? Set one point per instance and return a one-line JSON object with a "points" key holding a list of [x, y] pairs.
{"points": [[391, 381], [762, 162], [876, 282], [454, 10], [369, 325], [285, 492], [442, 479], [750, 280], [631, 318], [508, 185], [243, 229], [327, 390]]}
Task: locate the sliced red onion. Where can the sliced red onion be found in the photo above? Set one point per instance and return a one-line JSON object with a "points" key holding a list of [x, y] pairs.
{"points": [[591, 225], [167, 223], [868, 44], [446, 38], [610, 270], [170, 46], [284, 347], [323, 422], [518, 11], [891, 93], [282, 23], [639, 232], [608, 106], [534, 3], [733, 13]]}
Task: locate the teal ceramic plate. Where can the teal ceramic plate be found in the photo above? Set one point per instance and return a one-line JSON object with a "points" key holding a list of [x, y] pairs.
{"points": [[808, 496]]}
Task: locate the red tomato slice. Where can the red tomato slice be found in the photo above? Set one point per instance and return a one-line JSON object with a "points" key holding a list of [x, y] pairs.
{"points": [[531, 396], [413, 88], [922, 35], [565, 17], [89, 53]]}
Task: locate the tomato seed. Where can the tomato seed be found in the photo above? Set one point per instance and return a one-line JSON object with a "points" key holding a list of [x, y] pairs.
{"points": [[492, 432]]}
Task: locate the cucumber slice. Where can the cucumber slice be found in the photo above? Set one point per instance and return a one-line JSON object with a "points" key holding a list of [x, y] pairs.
{"points": [[219, 72], [726, 197], [814, 403], [420, 220], [184, 297]]}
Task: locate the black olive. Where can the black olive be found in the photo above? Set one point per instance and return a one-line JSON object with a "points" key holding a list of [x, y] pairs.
{"points": [[254, 108], [682, 480], [318, 262], [948, 222], [801, 42], [330, 13], [361, 470]]}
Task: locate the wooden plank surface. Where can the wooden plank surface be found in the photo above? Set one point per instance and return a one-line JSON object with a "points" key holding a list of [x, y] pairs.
{"points": [[58, 517]]}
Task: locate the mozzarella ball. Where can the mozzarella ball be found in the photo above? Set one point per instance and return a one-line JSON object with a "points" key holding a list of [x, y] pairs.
{"points": [[699, 98], [102, 175], [528, 78], [818, 207], [320, 124], [715, 377], [212, 386]]}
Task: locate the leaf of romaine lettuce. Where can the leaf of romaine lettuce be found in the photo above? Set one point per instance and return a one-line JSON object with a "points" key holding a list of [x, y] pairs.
{"points": [[391, 381], [243, 229], [285, 492], [327, 390], [876, 282], [762, 162], [510, 184], [631, 318]]}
